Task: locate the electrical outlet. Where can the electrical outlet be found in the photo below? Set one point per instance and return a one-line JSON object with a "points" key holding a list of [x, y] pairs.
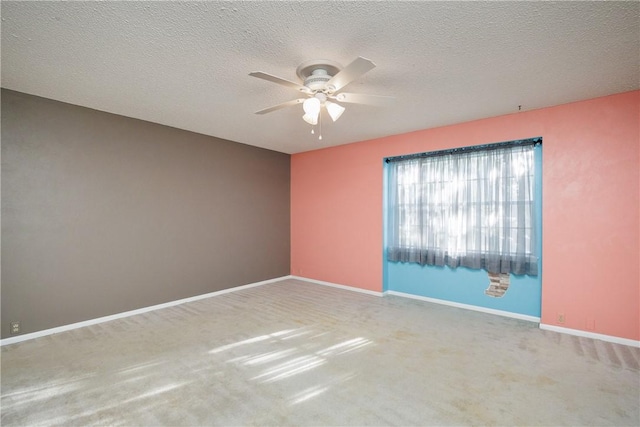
{"points": [[15, 328], [560, 317]]}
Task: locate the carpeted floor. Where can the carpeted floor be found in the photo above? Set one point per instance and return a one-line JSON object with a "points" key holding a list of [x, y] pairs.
{"points": [[294, 353]]}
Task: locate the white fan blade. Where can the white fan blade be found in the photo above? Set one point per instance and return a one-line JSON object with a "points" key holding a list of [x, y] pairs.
{"points": [[362, 98], [280, 81], [283, 105], [349, 73]]}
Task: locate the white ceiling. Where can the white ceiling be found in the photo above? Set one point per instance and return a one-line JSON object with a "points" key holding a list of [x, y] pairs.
{"points": [[186, 64]]}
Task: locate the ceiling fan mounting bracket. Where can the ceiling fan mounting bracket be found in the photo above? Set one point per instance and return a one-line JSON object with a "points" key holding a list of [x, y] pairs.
{"points": [[305, 69]]}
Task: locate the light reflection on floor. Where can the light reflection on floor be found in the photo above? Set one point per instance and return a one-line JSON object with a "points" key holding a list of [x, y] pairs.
{"points": [[90, 384], [299, 359], [318, 389], [265, 358]]}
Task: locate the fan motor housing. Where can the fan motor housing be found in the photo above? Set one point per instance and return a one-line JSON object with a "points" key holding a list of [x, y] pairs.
{"points": [[317, 79]]}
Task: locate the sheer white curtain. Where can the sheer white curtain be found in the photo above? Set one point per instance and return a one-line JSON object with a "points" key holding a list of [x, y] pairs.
{"points": [[471, 209]]}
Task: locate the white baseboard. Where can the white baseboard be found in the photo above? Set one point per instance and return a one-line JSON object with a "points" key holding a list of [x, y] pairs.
{"points": [[576, 332], [336, 285], [77, 325], [467, 306], [593, 335]]}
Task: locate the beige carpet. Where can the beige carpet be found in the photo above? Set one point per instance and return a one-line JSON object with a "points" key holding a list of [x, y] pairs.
{"points": [[294, 353]]}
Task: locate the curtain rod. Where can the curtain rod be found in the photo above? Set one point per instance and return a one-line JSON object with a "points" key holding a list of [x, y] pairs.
{"points": [[529, 141]]}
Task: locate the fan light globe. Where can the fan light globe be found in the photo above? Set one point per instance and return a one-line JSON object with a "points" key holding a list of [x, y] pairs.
{"points": [[311, 119], [311, 106], [334, 110]]}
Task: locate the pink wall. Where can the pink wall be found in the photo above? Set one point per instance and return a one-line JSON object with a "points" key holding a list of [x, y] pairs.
{"points": [[591, 191]]}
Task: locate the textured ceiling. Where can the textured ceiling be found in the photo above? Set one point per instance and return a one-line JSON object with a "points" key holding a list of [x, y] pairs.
{"points": [[186, 64]]}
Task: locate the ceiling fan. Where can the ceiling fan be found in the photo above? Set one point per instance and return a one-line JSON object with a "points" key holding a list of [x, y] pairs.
{"points": [[322, 81]]}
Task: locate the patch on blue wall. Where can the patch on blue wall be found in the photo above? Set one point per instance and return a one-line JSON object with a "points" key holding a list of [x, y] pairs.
{"points": [[498, 284]]}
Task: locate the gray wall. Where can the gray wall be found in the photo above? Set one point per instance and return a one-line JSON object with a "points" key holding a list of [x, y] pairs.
{"points": [[102, 213]]}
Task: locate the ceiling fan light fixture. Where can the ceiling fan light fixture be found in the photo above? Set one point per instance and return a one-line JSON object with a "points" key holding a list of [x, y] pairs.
{"points": [[334, 110], [321, 80]]}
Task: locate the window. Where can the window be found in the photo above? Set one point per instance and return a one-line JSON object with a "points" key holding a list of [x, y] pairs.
{"points": [[468, 207]]}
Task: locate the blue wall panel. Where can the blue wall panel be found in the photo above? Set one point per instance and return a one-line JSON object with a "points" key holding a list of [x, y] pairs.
{"points": [[464, 286]]}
